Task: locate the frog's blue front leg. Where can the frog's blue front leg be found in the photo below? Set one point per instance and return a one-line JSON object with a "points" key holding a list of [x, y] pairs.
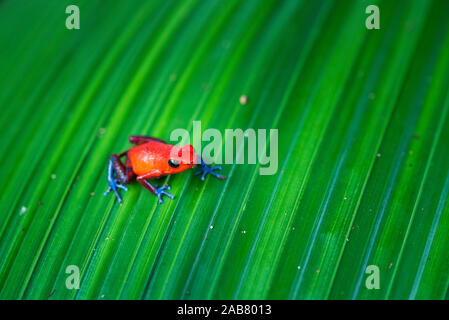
{"points": [[160, 191], [113, 185], [207, 169]]}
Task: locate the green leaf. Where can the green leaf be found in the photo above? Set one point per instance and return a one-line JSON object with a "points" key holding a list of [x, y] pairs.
{"points": [[363, 150]]}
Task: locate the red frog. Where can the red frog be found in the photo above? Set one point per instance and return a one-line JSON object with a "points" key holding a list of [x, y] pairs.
{"points": [[153, 158]]}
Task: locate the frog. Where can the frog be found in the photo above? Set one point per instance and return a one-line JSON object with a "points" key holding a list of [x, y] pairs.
{"points": [[154, 158]]}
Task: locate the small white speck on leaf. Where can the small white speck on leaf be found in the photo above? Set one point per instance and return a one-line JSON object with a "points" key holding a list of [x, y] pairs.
{"points": [[211, 227], [23, 210], [243, 100], [101, 132], [107, 239], [299, 267], [243, 231], [378, 155], [53, 176]]}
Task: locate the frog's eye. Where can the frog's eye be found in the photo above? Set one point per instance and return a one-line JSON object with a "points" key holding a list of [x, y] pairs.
{"points": [[173, 163]]}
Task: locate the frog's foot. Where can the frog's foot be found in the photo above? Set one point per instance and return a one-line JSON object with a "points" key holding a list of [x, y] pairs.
{"points": [[207, 169], [113, 184], [160, 191]]}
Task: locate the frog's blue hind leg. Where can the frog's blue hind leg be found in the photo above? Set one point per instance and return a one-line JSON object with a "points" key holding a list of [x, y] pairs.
{"points": [[207, 169], [113, 185]]}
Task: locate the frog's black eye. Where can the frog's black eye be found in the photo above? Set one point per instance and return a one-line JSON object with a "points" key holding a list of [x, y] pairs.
{"points": [[173, 163]]}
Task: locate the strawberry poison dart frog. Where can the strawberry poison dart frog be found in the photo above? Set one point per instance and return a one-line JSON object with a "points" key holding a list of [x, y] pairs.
{"points": [[153, 158]]}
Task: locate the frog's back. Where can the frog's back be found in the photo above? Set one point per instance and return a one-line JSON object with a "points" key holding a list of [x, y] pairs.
{"points": [[149, 156]]}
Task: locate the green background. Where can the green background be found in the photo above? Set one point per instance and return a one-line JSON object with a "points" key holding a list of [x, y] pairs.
{"points": [[363, 125]]}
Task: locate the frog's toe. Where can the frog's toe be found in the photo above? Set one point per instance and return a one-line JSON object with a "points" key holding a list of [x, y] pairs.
{"points": [[206, 169], [114, 187], [160, 191], [121, 186]]}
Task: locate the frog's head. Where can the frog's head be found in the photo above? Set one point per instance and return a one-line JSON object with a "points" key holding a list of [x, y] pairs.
{"points": [[181, 158]]}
